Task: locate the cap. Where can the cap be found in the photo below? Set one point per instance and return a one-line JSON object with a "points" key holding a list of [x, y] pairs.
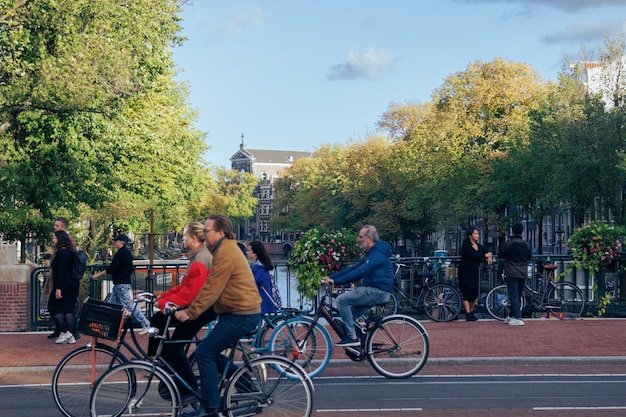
{"points": [[123, 238]]}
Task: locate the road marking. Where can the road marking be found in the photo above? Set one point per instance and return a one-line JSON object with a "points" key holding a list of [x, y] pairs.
{"points": [[577, 408], [366, 410]]}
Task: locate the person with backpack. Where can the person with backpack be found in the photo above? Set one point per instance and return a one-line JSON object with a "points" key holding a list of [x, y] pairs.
{"points": [[261, 265], [121, 270], [64, 294]]}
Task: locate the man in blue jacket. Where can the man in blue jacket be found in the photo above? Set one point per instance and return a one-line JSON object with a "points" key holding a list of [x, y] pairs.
{"points": [[375, 270]]}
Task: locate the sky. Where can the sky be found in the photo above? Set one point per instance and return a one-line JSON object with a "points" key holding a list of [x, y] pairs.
{"points": [[299, 74]]}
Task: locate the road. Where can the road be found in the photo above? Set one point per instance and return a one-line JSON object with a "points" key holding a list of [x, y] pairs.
{"points": [[575, 395]]}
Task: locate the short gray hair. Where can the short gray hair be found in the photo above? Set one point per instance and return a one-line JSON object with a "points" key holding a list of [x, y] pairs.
{"points": [[371, 231]]}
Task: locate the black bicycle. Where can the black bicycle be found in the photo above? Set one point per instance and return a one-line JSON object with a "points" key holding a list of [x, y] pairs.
{"points": [[562, 299], [271, 385], [396, 346], [439, 301]]}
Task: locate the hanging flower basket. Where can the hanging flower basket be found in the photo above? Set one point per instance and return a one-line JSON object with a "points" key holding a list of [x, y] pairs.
{"points": [[595, 245], [318, 253]]}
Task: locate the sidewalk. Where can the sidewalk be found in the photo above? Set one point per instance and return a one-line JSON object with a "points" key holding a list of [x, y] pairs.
{"points": [[595, 344]]}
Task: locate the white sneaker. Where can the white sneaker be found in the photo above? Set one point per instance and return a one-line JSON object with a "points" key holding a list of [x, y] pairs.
{"points": [[516, 322], [71, 340], [64, 337], [508, 319], [151, 331]]}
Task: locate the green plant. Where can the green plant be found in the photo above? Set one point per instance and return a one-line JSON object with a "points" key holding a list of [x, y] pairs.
{"points": [[318, 253], [595, 245]]}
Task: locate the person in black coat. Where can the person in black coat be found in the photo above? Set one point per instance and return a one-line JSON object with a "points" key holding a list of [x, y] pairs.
{"points": [[517, 254], [62, 301], [472, 255]]}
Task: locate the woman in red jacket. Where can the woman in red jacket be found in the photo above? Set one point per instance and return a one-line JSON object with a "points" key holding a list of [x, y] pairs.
{"points": [[200, 260]]}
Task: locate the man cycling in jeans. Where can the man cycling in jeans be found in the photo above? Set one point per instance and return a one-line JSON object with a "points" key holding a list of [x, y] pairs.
{"points": [[375, 270]]}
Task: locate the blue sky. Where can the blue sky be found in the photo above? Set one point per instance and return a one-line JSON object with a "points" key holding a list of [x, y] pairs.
{"points": [[294, 75]]}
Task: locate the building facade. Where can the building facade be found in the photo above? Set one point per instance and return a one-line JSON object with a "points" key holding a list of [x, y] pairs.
{"points": [[266, 165]]}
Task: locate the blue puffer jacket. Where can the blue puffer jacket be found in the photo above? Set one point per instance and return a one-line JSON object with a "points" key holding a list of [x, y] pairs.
{"points": [[374, 268]]}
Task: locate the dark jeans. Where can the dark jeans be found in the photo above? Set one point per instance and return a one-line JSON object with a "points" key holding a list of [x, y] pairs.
{"points": [[174, 353], [228, 330], [515, 287]]}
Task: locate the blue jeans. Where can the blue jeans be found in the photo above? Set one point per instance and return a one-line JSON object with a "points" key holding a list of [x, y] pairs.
{"points": [[515, 287], [228, 330], [122, 294], [357, 302]]}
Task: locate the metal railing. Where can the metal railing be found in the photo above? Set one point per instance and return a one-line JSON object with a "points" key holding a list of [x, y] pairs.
{"points": [[160, 277]]}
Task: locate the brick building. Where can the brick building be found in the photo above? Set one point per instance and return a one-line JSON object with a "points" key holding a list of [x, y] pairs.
{"points": [[266, 165]]}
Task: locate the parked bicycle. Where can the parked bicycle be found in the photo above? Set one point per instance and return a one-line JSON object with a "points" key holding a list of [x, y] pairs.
{"points": [[76, 374], [440, 302], [562, 299], [270, 385], [396, 346]]}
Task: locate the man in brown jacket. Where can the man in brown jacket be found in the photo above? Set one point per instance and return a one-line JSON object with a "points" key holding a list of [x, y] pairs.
{"points": [[231, 291]]}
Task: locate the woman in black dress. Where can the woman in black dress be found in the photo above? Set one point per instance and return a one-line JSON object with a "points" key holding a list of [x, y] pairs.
{"points": [[62, 301], [472, 255]]}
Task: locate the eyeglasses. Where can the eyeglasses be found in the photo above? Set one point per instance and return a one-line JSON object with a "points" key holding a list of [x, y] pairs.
{"points": [[209, 230]]}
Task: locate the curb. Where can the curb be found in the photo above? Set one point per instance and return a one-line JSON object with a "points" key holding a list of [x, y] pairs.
{"points": [[503, 360]]}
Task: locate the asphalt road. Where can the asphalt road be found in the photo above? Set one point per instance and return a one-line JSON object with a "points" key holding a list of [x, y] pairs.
{"points": [[574, 395]]}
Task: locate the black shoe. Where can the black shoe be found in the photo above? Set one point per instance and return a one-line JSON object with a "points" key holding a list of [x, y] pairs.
{"points": [[54, 335], [470, 317], [346, 341]]}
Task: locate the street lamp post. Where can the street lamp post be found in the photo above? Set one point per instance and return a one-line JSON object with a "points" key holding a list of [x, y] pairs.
{"points": [[559, 234]]}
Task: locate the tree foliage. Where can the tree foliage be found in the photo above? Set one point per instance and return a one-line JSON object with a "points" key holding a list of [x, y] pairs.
{"points": [[91, 119]]}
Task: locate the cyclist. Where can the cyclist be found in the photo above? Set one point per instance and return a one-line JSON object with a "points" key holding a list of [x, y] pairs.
{"points": [[231, 292], [375, 269], [516, 253]]}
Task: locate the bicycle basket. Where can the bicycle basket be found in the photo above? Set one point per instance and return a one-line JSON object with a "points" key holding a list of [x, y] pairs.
{"points": [[100, 319]]}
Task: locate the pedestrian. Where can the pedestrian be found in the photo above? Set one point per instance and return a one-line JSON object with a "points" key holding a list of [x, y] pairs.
{"points": [[231, 292], [261, 265], [60, 223], [473, 254], [121, 270], [62, 300], [198, 269], [517, 254], [375, 269]]}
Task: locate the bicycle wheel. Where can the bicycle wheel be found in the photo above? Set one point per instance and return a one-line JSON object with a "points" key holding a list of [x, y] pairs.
{"points": [[398, 347], [442, 302], [72, 381], [392, 306], [565, 301], [270, 385], [497, 303], [312, 354], [135, 387]]}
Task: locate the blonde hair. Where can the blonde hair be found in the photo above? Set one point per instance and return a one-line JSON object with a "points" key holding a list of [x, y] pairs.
{"points": [[195, 229]]}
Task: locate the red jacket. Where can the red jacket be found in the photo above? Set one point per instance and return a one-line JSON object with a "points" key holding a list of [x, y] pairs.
{"points": [[195, 277]]}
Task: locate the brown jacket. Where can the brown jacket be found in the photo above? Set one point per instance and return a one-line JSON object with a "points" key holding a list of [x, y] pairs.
{"points": [[230, 287]]}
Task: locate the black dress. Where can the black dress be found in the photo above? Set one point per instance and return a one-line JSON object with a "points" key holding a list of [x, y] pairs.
{"points": [[469, 267], [61, 274]]}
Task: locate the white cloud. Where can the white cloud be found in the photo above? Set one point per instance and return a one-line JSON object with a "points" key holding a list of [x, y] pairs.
{"points": [[239, 22], [368, 63]]}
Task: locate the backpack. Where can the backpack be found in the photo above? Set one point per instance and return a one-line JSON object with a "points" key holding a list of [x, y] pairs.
{"points": [[79, 265], [275, 295], [275, 292]]}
